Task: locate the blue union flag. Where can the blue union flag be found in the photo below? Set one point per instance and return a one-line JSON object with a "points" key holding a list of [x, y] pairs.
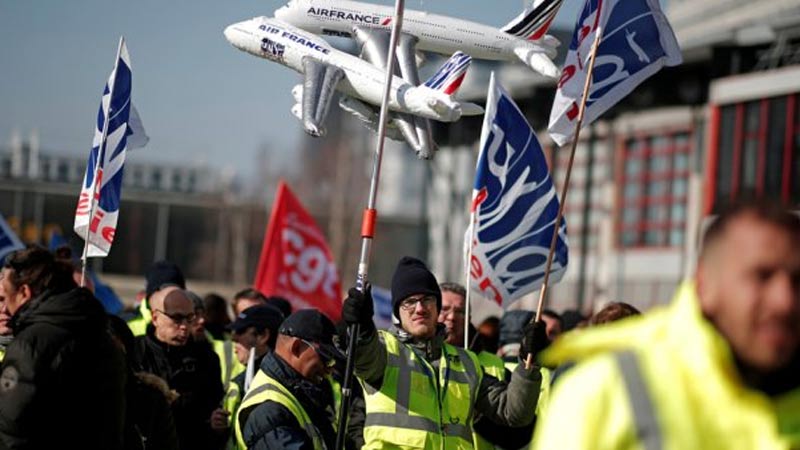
{"points": [[636, 42], [515, 207], [102, 184]]}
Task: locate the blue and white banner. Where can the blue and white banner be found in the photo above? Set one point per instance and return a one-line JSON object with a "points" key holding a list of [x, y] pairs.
{"points": [[8, 240], [101, 190], [636, 42], [514, 205]]}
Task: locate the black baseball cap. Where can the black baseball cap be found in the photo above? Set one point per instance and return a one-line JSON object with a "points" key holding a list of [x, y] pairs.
{"points": [[260, 316], [313, 326]]}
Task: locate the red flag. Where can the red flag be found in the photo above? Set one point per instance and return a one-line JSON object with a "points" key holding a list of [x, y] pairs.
{"points": [[296, 262]]}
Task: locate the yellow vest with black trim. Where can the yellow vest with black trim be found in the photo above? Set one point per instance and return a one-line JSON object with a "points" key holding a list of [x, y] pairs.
{"points": [[492, 365], [416, 407], [265, 388], [665, 380]]}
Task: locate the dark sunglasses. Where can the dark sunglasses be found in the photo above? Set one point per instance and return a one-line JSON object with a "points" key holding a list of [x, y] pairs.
{"points": [[179, 319]]}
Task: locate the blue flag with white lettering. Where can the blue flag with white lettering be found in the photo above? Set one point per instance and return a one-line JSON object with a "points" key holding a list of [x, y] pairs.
{"points": [[118, 128], [8, 239], [515, 207], [636, 42]]}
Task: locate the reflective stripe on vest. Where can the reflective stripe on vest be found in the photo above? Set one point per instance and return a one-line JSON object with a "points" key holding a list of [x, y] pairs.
{"points": [[417, 407], [264, 388], [647, 430]]}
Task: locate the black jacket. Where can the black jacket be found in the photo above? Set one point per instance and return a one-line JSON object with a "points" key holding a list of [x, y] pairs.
{"points": [[149, 424], [63, 378], [270, 425], [193, 371]]}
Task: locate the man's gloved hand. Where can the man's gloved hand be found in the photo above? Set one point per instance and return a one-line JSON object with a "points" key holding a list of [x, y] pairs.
{"points": [[357, 307], [534, 340]]}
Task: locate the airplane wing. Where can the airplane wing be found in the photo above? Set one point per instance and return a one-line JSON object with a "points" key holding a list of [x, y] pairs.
{"points": [[374, 49], [319, 85]]}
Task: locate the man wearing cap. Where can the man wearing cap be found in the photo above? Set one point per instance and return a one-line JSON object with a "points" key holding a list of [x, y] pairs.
{"points": [[160, 274], [290, 404], [421, 392], [255, 328], [190, 368]]}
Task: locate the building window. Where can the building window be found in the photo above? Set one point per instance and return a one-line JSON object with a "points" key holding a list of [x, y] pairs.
{"points": [[757, 152], [654, 184], [63, 172]]}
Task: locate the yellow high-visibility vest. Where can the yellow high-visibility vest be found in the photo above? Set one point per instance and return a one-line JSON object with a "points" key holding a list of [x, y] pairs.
{"points": [[230, 403], [416, 407], [492, 365], [265, 388], [139, 324], [665, 380], [228, 363]]}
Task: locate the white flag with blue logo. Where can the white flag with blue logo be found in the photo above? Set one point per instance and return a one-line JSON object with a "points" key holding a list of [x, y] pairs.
{"points": [[117, 124], [636, 42], [8, 239], [514, 205]]}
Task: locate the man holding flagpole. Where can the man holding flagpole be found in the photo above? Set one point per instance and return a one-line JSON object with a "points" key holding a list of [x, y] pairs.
{"points": [[421, 392]]}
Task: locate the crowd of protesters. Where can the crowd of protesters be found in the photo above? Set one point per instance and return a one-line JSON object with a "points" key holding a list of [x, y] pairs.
{"points": [[719, 367]]}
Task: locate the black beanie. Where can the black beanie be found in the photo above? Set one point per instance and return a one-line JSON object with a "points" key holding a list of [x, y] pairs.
{"points": [[162, 273], [412, 277]]}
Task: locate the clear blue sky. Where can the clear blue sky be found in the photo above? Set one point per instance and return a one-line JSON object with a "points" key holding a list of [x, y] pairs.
{"points": [[199, 98]]}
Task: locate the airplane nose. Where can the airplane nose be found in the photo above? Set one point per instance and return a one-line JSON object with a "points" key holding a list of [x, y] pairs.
{"points": [[230, 34]]}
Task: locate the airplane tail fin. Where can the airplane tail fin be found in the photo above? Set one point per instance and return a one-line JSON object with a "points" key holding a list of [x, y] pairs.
{"points": [[449, 77], [534, 21]]}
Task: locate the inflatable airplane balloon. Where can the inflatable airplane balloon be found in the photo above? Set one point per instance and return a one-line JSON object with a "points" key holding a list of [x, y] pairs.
{"points": [[326, 69], [523, 39]]}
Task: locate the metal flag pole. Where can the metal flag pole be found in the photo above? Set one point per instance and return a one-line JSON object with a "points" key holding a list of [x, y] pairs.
{"points": [[100, 155], [368, 224], [564, 190], [472, 215]]}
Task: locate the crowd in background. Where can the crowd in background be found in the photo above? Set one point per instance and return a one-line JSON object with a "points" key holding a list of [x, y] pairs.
{"points": [[717, 368]]}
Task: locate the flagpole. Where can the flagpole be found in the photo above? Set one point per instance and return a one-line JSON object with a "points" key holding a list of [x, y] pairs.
{"points": [[469, 280], [564, 190], [368, 220], [100, 156]]}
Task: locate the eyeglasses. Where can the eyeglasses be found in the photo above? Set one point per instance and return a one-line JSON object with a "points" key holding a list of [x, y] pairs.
{"points": [[329, 362], [179, 319], [410, 303], [455, 311]]}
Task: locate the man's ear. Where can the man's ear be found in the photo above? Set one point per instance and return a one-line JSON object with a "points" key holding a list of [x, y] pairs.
{"points": [[25, 292], [704, 287], [297, 347]]}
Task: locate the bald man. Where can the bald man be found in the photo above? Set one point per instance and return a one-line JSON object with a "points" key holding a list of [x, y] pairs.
{"points": [[190, 368]]}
